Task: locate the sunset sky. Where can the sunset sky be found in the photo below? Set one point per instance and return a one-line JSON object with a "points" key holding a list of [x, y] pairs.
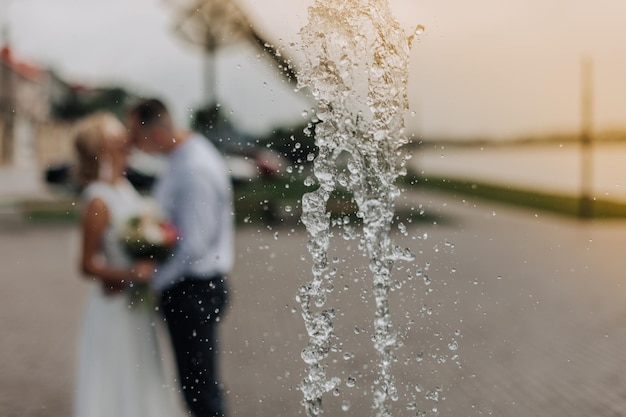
{"points": [[482, 68]]}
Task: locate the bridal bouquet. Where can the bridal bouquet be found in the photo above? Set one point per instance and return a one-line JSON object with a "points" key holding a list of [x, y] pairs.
{"points": [[148, 236]]}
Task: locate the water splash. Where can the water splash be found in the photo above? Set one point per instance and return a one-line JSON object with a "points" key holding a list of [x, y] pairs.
{"points": [[356, 66]]}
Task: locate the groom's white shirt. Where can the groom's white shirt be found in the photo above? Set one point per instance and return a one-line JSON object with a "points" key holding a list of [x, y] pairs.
{"points": [[195, 193]]}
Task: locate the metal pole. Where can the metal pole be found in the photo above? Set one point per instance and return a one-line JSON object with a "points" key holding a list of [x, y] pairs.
{"points": [[210, 69], [586, 195]]}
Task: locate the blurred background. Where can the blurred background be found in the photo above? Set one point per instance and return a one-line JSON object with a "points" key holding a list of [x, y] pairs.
{"points": [[544, 73], [515, 196]]}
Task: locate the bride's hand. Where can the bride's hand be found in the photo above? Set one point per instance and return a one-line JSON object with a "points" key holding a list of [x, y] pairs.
{"points": [[142, 271]]}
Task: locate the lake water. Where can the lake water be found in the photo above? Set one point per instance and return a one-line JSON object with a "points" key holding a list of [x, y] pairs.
{"points": [[550, 167]]}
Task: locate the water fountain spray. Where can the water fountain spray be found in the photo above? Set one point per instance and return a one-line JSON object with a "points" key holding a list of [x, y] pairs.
{"points": [[356, 67]]}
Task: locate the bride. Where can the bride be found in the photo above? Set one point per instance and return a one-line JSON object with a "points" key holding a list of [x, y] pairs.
{"points": [[120, 372]]}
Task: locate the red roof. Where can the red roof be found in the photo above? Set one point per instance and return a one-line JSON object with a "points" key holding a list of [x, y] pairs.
{"points": [[24, 69]]}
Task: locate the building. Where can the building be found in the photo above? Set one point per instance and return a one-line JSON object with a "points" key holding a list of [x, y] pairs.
{"points": [[37, 110], [24, 105]]}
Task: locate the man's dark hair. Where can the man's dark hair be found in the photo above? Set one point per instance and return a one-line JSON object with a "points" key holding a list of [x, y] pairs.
{"points": [[149, 111]]}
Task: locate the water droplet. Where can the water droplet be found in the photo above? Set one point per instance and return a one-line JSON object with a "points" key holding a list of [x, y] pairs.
{"points": [[432, 395], [345, 405], [361, 95], [320, 300]]}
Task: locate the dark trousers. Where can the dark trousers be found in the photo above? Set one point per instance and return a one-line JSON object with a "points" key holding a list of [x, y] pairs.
{"points": [[191, 309]]}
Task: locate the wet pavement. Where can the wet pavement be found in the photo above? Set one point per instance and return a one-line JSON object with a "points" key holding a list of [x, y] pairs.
{"points": [[522, 314]]}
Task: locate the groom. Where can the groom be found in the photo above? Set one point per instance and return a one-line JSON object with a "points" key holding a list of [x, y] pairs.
{"points": [[194, 193]]}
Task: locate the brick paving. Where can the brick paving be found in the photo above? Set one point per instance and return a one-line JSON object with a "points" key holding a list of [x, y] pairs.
{"points": [[536, 304]]}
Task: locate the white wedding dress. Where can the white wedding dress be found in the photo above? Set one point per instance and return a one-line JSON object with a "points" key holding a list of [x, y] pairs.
{"points": [[120, 368]]}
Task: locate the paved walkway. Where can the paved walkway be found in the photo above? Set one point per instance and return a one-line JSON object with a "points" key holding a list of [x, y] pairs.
{"points": [[536, 305]]}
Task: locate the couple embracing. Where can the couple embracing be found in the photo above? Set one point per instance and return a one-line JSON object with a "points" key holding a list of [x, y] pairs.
{"points": [[120, 369]]}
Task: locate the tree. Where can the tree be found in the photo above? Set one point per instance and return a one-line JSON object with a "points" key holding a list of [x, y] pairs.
{"points": [[79, 102]]}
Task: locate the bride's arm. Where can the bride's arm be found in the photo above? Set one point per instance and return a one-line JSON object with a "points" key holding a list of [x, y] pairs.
{"points": [[94, 223]]}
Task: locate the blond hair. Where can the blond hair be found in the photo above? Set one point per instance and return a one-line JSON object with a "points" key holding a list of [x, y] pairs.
{"points": [[90, 140]]}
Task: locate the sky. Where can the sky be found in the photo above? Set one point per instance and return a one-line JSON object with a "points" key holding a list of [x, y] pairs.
{"points": [[485, 68]]}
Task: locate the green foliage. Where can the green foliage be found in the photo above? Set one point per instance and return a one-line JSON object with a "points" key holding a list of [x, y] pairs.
{"points": [[78, 103], [296, 143], [563, 204], [279, 201], [206, 118]]}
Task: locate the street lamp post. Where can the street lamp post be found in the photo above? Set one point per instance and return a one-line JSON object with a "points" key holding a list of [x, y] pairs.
{"points": [[586, 196], [210, 71], [212, 24]]}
